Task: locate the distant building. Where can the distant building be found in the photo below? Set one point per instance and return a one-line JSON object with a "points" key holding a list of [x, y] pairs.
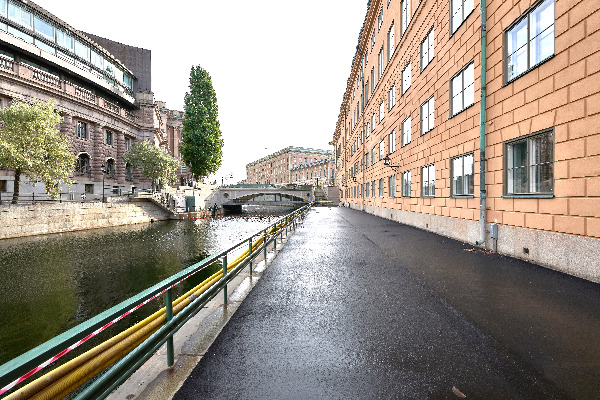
{"points": [[106, 100], [411, 137], [292, 165]]}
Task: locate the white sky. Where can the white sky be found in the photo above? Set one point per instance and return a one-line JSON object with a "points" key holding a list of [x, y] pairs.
{"points": [[279, 67]]}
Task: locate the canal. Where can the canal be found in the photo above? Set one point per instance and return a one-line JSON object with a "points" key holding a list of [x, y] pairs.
{"points": [[51, 283]]}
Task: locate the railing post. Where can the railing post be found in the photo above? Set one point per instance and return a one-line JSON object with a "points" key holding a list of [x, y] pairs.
{"points": [[169, 309], [265, 247], [224, 275], [250, 253], [274, 238]]}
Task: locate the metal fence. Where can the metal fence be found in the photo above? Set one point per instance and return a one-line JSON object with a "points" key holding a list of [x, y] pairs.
{"points": [[103, 368], [32, 198]]}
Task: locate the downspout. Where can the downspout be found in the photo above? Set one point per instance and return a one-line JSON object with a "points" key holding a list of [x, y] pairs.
{"points": [[364, 101], [482, 192]]}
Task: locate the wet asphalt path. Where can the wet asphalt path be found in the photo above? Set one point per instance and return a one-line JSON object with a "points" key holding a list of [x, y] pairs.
{"points": [[359, 307]]}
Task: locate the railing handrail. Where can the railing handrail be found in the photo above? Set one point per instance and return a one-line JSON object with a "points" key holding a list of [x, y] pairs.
{"points": [[24, 363]]}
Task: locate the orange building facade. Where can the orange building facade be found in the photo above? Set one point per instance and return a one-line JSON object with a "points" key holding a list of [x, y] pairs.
{"points": [[424, 113]]}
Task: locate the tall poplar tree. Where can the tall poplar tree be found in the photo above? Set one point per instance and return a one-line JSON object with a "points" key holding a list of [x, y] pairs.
{"points": [[31, 145], [201, 143]]}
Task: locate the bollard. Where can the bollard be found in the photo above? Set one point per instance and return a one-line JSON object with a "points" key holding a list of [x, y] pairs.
{"points": [[169, 316], [250, 253], [224, 275]]}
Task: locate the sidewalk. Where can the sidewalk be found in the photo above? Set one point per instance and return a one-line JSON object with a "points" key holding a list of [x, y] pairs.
{"points": [[359, 307]]}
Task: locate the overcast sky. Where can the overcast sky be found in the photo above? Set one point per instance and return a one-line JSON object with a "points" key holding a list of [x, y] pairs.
{"points": [[279, 67]]}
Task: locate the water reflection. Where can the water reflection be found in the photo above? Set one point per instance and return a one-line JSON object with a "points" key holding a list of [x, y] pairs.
{"points": [[51, 283]]}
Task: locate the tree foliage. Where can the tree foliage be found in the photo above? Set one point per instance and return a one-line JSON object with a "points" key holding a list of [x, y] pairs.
{"points": [[201, 143], [155, 162], [31, 144]]}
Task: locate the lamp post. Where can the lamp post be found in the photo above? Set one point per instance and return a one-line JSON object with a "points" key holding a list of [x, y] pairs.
{"points": [[363, 139], [103, 169]]}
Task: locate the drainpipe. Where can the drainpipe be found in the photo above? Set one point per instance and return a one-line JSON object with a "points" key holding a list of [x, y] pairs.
{"points": [[364, 101], [482, 193]]}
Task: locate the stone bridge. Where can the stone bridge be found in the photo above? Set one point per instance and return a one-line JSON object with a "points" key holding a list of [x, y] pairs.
{"points": [[235, 196]]}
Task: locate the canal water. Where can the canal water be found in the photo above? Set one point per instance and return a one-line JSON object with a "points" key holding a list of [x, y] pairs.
{"points": [[50, 283]]}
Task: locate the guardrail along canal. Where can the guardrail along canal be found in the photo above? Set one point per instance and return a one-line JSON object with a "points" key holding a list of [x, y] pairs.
{"points": [[51, 283]]}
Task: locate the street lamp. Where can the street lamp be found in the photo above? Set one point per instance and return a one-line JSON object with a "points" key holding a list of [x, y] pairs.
{"points": [[387, 162], [103, 169]]}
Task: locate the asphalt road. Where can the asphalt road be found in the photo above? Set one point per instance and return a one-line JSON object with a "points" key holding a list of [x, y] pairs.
{"points": [[359, 307]]}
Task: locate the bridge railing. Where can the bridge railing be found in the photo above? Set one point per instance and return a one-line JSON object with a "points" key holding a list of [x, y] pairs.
{"points": [[138, 344]]}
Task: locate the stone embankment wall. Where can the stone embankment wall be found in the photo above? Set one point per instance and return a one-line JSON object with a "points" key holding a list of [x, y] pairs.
{"points": [[18, 220]]}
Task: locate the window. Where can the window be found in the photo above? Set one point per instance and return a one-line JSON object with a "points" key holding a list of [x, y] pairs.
{"points": [[3, 7], [19, 15], [406, 131], [460, 11], [406, 78], [21, 35], [427, 50], [392, 141], [110, 168], [373, 189], [366, 92], [462, 89], [381, 112], [82, 166], [428, 181], [374, 153], [380, 63], [127, 144], [109, 138], [380, 19], [373, 121], [89, 188], [129, 174], [381, 150], [367, 128], [81, 130], [3, 185], [381, 188], [372, 79], [63, 40], [406, 184], [390, 42], [427, 116], [367, 189], [462, 175], [372, 40], [392, 186], [391, 97], [405, 15], [530, 40], [82, 50], [43, 28], [530, 164]]}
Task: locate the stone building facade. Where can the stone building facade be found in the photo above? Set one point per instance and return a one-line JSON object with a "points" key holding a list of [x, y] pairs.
{"points": [[424, 113], [290, 165], [106, 106]]}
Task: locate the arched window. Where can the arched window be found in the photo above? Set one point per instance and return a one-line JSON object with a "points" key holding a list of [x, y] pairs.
{"points": [[110, 168], [82, 168], [128, 173]]}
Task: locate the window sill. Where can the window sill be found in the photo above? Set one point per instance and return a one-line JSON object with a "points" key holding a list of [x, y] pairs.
{"points": [[528, 70], [528, 196], [462, 196], [461, 111]]}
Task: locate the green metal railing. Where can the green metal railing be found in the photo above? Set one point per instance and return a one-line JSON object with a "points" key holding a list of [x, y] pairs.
{"points": [[28, 364]]}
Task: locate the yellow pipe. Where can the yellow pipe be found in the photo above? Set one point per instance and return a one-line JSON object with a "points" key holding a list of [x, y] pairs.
{"points": [[82, 368], [114, 343]]}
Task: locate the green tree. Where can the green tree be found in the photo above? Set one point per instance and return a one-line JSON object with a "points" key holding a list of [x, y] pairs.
{"points": [[201, 143], [156, 163], [31, 145]]}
